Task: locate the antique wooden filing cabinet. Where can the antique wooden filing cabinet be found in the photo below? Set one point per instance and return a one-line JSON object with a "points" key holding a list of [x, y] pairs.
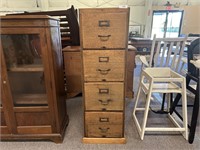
{"points": [[104, 34], [32, 103]]}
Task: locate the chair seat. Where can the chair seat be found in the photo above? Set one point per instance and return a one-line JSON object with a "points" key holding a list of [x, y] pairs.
{"points": [[161, 73], [162, 88]]}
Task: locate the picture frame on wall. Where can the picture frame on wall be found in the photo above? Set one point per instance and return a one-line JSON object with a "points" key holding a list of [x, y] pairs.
{"points": [[134, 31]]}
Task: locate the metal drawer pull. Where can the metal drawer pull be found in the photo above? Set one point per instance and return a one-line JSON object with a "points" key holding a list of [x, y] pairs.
{"points": [[103, 59], [103, 119], [103, 91], [104, 37], [103, 71], [106, 102], [104, 130], [104, 23]]}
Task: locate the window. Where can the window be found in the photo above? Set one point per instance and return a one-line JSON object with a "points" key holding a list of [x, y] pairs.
{"points": [[166, 23]]}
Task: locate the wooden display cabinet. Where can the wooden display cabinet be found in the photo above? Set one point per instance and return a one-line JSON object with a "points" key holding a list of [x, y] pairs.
{"points": [[32, 86]]}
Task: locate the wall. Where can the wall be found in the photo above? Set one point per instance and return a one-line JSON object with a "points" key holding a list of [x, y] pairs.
{"points": [[191, 21], [138, 11]]}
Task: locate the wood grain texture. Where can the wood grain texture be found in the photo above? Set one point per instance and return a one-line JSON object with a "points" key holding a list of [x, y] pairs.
{"points": [[35, 114], [104, 28], [112, 100], [104, 45], [112, 69], [104, 140]]}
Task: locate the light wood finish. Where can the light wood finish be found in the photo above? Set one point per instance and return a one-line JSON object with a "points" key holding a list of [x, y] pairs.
{"points": [[104, 28], [73, 70], [103, 118], [31, 110], [104, 140], [102, 96], [104, 49], [104, 124], [109, 131], [104, 65]]}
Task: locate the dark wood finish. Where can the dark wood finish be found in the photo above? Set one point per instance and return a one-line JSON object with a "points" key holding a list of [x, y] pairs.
{"points": [[69, 27], [143, 45], [22, 118], [73, 70], [130, 66]]}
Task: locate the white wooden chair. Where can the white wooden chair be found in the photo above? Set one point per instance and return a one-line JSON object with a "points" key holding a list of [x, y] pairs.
{"points": [[159, 75]]}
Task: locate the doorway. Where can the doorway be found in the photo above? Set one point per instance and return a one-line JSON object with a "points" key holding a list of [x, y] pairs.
{"points": [[166, 23]]}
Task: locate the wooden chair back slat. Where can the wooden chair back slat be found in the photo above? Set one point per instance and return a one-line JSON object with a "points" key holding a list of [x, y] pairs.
{"points": [[163, 53], [167, 52]]}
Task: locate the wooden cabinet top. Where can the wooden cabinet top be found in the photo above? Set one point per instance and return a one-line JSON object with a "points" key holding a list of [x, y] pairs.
{"points": [[107, 10], [28, 21], [9, 17]]}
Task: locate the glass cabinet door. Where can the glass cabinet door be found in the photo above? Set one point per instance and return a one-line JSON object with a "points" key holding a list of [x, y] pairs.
{"points": [[25, 70]]}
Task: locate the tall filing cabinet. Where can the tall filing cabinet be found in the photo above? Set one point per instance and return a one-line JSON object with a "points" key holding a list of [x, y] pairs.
{"points": [[104, 34]]}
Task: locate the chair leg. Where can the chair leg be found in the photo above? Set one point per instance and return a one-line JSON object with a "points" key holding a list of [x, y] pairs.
{"points": [[184, 109], [163, 102], [194, 119], [146, 110], [176, 100], [138, 95], [135, 107]]}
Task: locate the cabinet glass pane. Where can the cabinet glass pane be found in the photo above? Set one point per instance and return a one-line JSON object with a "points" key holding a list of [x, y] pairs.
{"points": [[23, 57]]}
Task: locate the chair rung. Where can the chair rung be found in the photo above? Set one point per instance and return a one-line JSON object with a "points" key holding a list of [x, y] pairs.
{"points": [[163, 129], [166, 91], [140, 109]]}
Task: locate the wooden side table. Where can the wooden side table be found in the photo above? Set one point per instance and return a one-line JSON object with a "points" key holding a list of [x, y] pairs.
{"points": [[143, 45]]}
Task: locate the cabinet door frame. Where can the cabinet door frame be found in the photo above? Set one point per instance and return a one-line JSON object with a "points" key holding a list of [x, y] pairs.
{"points": [[48, 77], [6, 99]]}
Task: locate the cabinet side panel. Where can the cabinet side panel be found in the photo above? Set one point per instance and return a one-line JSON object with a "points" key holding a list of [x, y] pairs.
{"points": [[58, 74]]}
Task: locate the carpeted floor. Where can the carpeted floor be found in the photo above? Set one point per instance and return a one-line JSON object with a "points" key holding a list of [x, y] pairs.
{"points": [[74, 133]]}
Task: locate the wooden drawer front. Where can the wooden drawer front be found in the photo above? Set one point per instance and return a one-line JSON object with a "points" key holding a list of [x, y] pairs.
{"points": [[102, 29], [101, 96], [104, 65], [32, 118], [104, 131], [103, 118]]}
